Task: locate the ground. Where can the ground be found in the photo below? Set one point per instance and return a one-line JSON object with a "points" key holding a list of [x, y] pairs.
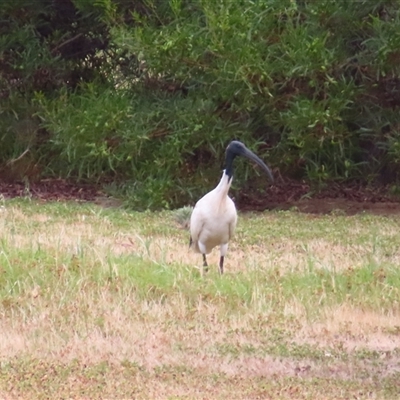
{"points": [[347, 199], [103, 302]]}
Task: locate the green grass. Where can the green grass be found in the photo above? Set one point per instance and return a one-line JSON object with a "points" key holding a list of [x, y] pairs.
{"points": [[101, 303]]}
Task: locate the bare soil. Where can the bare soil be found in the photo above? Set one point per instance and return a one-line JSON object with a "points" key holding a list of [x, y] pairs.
{"points": [[348, 199]]}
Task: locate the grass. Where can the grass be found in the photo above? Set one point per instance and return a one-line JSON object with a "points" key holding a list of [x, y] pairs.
{"points": [[99, 303]]}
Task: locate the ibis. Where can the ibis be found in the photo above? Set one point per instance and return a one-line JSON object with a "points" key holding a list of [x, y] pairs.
{"points": [[214, 217]]}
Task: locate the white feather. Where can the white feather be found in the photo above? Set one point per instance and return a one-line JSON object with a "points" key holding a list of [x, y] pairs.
{"points": [[213, 220]]}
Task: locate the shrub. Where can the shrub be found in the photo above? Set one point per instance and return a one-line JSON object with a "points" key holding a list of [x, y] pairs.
{"points": [[149, 93]]}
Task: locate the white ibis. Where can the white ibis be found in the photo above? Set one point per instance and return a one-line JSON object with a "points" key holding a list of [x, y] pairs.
{"points": [[214, 216]]}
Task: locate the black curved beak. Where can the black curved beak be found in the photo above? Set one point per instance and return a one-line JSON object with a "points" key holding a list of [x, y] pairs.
{"points": [[251, 156], [236, 148]]}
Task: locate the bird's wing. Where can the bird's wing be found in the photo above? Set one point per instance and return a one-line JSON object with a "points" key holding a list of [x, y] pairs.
{"points": [[233, 217], [196, 226]]}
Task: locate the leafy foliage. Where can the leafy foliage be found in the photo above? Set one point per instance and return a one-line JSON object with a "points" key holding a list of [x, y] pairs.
{"points": [[150, 93]]}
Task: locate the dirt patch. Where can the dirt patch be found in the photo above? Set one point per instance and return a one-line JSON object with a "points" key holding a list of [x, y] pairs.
{"points": [[348, 199], [337, 205], [51, 190]]}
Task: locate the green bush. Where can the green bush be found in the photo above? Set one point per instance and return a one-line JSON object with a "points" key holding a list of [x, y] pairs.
{"points": [[154, 143], [311, 79], [160, 87]]}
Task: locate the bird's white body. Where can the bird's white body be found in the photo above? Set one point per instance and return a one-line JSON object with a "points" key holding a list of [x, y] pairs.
{"points": [[213, 219], [214, 216]]}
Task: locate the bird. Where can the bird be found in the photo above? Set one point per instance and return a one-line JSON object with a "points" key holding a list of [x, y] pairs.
{"points": [[214, 217]]}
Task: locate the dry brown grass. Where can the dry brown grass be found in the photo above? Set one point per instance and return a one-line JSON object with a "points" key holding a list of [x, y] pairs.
{"points": [[271, 336], [354, 329], [102, 238]]}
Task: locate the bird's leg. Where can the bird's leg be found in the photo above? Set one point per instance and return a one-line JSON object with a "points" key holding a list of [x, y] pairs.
{"points": [[205, 265], [221, 265], [223, 250]]}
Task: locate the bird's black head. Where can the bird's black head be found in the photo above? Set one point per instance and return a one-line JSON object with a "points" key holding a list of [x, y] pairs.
{"points": [[236, 148]]}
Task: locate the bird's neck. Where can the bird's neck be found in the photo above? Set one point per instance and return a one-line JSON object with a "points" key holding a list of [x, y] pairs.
{"points": [[224, 184], [229, 164], [227, 175]]}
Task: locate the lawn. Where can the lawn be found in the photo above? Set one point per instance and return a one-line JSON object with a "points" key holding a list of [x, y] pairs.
{"points": [[110, 303]]}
